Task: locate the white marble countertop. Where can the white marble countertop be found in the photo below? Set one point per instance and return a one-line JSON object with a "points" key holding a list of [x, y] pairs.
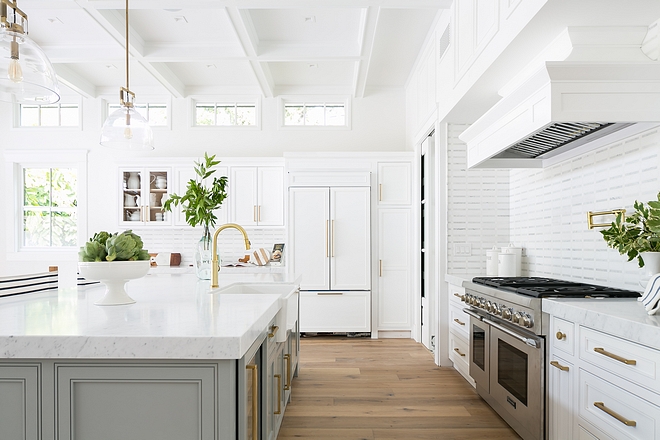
{"points": [[623, 317], [174, 317], [457, 279]]}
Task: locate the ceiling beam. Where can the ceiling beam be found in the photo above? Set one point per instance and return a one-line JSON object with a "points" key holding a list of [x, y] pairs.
{"points": [[247, 35], [368, 25], [74, 81], [269, 4]]}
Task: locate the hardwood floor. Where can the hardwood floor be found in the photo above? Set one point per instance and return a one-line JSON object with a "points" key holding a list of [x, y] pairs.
{"points": [[385, 389]]}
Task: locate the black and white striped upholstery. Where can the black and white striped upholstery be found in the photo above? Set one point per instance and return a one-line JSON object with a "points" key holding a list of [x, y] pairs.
{"points": [[29, 283]]}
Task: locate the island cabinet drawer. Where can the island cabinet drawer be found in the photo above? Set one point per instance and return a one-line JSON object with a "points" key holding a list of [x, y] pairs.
{"points": [[335, 311], [628, 360], [459, 321], [165, 402], [562, 334], [458, 352], [19, 401], [621, 414]]}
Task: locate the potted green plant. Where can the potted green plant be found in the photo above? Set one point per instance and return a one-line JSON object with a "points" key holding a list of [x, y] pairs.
{"points": [[637, 235], [201, 198]]}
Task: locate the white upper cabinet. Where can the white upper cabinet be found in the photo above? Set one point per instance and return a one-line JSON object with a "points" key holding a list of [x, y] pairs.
{"points": [[257, 196], [394, 183], [141, 194]]}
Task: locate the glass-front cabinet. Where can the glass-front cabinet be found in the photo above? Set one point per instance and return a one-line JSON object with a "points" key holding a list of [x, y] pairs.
{"points": [[142, 195]]}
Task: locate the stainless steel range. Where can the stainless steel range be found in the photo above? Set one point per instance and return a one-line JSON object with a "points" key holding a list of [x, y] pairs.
{"points": [[507, 343]]}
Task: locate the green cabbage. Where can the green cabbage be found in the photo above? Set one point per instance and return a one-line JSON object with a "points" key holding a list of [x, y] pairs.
{"points": [[104, 246]]}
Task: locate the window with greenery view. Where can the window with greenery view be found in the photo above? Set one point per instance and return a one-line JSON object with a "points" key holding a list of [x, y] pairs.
{"points": [[50, 207], [314, 114], [52, 115], [225, 114], [155, 114]]}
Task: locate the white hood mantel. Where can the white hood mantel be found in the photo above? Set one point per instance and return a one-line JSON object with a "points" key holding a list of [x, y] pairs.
{"points": [[565, 108]]}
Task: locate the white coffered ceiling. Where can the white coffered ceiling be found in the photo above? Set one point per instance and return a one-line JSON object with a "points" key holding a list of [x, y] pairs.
{"points": [[266, 47]]}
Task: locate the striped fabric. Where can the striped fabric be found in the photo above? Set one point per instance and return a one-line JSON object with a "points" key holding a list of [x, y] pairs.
{"points": [[30, 283], [82, 282]]}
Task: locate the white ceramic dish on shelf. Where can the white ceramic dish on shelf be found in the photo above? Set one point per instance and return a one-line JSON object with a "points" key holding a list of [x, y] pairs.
{"points": [[115, 275]]}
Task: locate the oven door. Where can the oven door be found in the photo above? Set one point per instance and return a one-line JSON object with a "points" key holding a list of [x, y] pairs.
{"points": [[516, 378], [479, 351]]}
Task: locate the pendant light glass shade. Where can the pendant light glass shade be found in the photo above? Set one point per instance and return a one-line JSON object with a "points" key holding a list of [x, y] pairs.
{"points": [[26, 74], [126, 129]]}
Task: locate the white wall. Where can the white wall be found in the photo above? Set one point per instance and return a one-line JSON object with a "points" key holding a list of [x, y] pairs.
{"points": [[378, 124], [549, 210]]}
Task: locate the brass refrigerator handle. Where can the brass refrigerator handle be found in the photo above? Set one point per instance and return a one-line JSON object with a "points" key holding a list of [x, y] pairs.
{"points": [[327, 252], [616, 357], [279, 394], [380, 268], [258, 213], [558, 365], [601, 406], [333, 238], [255, 400], [287, 382], [254, 213]]}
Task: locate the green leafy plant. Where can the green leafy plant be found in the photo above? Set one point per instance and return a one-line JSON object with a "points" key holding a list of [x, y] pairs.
{"points": [[200, 199], [104, 246], [639, 232]]}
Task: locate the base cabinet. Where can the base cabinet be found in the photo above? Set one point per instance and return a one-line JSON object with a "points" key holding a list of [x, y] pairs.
{"points": [[459, 333], [19, 383], [334, 311]]}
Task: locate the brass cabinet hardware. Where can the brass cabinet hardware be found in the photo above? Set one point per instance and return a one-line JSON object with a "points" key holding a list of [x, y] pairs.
{"points": [[279, 394], [561, 335], [558, 365], [615, 356], [457, 295], [327, 252], [601, 406], [258, 213], [287, 382], [380, 268], [333, 238], [380, 192], [457, 321], [273, 330], [459, 352], [255, 400], [591, 215], [254, 213]]}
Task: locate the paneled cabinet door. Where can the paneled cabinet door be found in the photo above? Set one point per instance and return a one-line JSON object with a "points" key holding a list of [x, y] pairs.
{"points": [[275, 392], [394, 248], [561, 385], [394, 183], [19, 402], [257, 196], [141, 196], [181, 178]]}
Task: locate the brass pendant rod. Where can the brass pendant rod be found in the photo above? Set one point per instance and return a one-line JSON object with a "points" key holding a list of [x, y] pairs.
{"points": [[128, 88]]}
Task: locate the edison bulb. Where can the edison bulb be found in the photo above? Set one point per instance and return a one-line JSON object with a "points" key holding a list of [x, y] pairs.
{"points": [[128, 133], [15, 71]]}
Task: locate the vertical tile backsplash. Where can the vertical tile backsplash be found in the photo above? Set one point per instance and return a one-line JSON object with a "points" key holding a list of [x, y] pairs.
{"points": [[230, 242], [548, 210], [478, 214]]}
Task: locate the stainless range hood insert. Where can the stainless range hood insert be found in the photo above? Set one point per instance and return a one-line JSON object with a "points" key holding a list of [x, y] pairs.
{"points": [[566, 108]]}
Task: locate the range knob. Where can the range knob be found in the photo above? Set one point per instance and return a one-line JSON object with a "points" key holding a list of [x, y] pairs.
{"points": [[506, 313], [488, 305], [516, 318], [497, 309], [527, 321]]}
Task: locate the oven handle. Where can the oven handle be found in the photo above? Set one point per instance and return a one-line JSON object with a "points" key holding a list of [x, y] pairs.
{"points": [[474, 315], [529, 341]]}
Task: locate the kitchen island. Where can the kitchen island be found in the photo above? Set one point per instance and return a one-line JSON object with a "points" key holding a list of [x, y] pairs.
{"points": [[180, 363]]}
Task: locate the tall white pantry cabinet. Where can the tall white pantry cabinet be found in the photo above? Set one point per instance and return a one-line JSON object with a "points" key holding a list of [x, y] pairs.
{"points": [[331, 240]]}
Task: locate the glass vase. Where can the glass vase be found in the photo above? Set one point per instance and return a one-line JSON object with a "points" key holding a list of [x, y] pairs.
{"points": [[204, 256]]}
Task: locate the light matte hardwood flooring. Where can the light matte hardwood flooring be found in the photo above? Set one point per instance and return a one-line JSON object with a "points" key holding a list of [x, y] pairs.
{"points": [[385, 389]]}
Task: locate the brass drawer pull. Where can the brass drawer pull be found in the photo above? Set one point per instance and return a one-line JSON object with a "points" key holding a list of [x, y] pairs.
{"points": [[459, 352], [273, 330], [561, 335], [458, 296], [601, 406], [456, 320], [287, 382], [615, 357], [255, 399], [558, 365], [279, 394]]}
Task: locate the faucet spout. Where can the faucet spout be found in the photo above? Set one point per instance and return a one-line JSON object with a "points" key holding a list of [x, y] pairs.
{"points": [[215, 265]]}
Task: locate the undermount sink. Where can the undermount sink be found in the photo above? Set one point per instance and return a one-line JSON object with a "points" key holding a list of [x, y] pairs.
{"points": [[287, 316]]}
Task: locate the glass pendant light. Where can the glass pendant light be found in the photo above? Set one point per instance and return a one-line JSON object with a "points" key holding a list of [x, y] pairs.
{"points": [[26, 74], [125, 128]]}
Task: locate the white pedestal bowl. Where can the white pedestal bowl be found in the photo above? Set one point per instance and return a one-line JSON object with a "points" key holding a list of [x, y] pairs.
{"points": [[115, 275]]}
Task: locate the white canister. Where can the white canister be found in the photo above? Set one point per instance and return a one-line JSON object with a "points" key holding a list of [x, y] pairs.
{"points": [[517, 252], [491, 262], [506, 265]]}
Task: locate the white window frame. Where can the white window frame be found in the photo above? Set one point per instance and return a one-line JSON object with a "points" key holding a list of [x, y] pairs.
{"points": [[313, 99], [16, 122], [141, 100], [15, 162], [224, 99]]}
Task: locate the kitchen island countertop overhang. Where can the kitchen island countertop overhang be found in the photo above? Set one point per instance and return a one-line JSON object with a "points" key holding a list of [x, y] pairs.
{"points": [[175, 317]]}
